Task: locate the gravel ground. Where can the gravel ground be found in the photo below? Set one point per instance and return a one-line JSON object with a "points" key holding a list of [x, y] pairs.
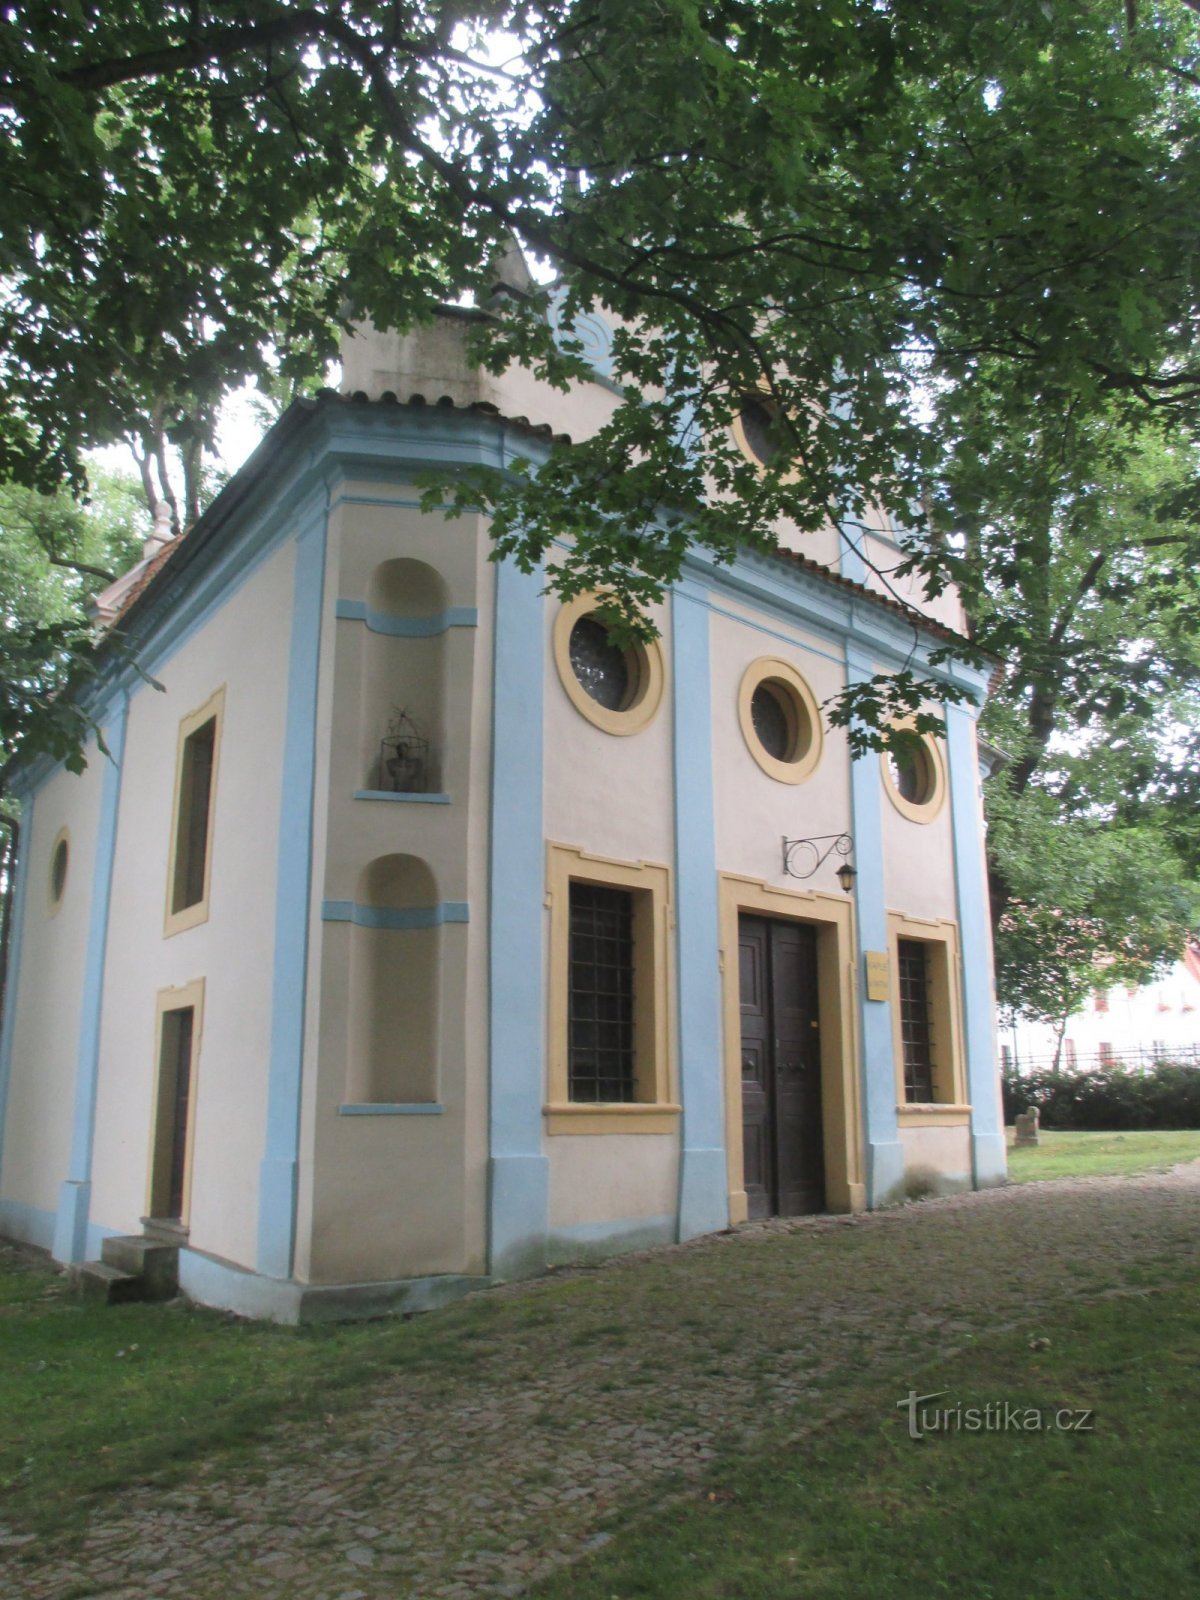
{"points": [[622, 1383]]}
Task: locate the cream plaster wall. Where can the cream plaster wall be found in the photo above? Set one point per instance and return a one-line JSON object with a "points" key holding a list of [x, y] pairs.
{"points": [[918, 862], [884, 555], [41, 1094], [612, 1177], [392, 1196], [431, 361], [243, 647], [824, 545], [755, 812], [940, 1157], [609, 794]]}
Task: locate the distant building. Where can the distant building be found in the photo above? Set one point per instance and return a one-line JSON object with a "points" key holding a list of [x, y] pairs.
{"points": [[1154, 1021]]}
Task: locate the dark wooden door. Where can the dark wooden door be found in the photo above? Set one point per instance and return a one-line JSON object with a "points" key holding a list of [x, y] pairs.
{"points": [[781, 1068]]}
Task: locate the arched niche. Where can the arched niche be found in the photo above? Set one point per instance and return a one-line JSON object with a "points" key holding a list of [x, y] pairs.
{"points": [[403, 675], [406, 588], [395, 971]]}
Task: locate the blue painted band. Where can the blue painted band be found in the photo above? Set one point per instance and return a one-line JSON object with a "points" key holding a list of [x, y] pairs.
{"points": [[409, 799], [24, 848], [280, 1165], [406, 627], [880, 1125], [518, 1172], [70, 1237], [385, 1109], [400, 919], [974, 926], [703, 1201]]}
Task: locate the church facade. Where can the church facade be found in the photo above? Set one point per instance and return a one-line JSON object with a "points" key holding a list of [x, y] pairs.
{"points": [[413, 935]]}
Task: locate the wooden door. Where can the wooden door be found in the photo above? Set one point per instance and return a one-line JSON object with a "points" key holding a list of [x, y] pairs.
{"points": [[168, 1189], [781, 1068]]}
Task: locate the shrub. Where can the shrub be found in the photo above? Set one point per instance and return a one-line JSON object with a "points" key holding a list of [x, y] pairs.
{"points": [[1108, 1099]]}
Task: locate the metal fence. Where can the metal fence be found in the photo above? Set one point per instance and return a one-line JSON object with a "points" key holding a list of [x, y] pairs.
{"points": [[1138, 1058]]}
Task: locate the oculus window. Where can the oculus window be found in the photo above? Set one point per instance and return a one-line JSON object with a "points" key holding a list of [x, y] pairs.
{"points": [[915, 777], [780, 720], [616, 686], [60, 861]]}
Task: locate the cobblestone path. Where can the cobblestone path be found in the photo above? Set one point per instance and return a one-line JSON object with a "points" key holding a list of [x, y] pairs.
{"points": [[612, 1385]]}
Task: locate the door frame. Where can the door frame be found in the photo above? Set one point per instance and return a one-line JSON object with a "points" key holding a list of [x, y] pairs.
{"points": [[841, 1102], [187, 996]]}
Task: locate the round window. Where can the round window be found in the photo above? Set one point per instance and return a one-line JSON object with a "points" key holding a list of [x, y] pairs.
{"points": [[602, 668], [913, 774], [617, 687], [915, 778], [780, 720], [772, 712], [756, 430], [60, 860]]}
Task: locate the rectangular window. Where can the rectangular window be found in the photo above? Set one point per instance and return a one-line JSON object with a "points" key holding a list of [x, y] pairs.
{"points": [[1100, 999], [916, 1023], [1072, 1053], [190, 860], [610, 1067], [195, 804], [927, 1042], [600, 1021]]}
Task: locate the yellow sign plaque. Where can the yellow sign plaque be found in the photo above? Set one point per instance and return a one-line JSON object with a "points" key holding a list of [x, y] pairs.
{"points": [[877, 975]]}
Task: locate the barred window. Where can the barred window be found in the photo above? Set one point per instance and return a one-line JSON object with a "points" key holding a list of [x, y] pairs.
{"points": [[916, 1031], [600, 1021]]}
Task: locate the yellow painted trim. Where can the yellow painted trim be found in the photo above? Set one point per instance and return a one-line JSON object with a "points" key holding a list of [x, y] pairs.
{"points": [[648, 673], [799, 703], [949, 1054], [190, 916], [934, 1116], [653, 911], [179, 999], [837, 978], [636, 1118], [54, 905], [928, 809]]}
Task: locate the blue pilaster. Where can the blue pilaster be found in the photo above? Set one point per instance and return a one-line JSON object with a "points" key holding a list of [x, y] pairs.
{"points": [[75, 1193], [518, 1171], [278, 1172], [988, 1154], [884, 1152], [703, 1177], [24, 842]]}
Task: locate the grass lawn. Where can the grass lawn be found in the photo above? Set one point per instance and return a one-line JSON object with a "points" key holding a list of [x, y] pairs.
{"points": [[859, 1509], [1099, 1155], [97, 1397]]}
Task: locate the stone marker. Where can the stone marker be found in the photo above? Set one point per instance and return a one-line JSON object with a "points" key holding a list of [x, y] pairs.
{"points": [[1027, 1126]]}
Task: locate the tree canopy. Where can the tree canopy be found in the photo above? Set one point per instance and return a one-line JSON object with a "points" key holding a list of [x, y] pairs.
{"points": [[828, 198], [907, 227]]}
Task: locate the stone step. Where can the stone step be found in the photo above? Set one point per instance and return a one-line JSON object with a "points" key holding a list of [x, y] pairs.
{"points": [[156, 1263], [96, 1280]]}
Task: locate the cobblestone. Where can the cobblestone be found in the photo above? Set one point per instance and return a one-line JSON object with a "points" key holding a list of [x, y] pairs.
{"points": [[619, 1387]]}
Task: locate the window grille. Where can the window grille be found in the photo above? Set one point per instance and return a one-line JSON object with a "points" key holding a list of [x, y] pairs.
{"points": [[916, 1031], [600, 1020]]}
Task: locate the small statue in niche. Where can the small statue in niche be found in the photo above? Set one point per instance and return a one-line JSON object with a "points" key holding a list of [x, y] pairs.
{"points": [[404, 755]]}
